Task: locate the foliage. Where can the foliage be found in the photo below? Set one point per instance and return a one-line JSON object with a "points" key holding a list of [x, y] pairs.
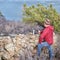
{"points": [[31, 14], [1, 14]]}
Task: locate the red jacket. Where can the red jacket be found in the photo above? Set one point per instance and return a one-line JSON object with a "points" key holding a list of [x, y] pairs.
{"points": [[47, 35]]}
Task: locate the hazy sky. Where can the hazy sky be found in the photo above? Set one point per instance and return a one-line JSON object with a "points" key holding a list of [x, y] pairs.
{"points": [[26, 0], [12, 9]]}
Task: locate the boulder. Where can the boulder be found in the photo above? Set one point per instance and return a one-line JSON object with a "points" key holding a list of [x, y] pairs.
{"points": [[10, 48]]}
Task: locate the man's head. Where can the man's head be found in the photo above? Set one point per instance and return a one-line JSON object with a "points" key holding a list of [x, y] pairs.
{"points": [[46, 23]]}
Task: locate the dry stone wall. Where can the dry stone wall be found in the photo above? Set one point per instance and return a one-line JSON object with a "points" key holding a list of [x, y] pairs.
{"points": [[19, 46]]}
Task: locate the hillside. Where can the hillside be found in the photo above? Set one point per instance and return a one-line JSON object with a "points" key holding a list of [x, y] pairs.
{"points": [[23, 47], [16, 27]]}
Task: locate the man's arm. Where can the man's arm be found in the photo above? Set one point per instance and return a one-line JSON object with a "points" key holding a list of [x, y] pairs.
{"points": [[44, 33]]}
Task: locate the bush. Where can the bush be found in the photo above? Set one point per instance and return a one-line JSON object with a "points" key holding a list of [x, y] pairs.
{"points": [[32, 14]]}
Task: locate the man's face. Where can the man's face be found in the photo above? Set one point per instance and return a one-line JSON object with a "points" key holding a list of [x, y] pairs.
{"points": [[44, 24]]}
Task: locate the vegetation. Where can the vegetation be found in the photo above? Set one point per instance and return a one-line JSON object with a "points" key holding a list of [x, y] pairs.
{"points": [[32, 14], [1, 14], [14, 27]]}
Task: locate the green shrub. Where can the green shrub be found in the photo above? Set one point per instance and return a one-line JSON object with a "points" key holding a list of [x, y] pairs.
{"points": [[31, 14]]}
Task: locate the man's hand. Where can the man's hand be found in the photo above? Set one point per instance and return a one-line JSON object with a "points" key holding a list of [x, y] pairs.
{"points": [[39, 31]]}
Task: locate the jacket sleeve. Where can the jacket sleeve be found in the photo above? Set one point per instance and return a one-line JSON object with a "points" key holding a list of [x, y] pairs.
{"points": [[44, 33]]}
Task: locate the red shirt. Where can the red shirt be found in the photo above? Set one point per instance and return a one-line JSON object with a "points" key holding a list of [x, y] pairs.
{"points": [[47, 35]]}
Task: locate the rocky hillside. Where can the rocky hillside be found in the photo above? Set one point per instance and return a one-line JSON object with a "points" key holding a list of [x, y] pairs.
{"points": [[23, 47], [16, 27]]}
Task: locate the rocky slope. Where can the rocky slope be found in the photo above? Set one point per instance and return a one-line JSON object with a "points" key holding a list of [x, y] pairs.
{"points": [[16, 27], [23, 47]]}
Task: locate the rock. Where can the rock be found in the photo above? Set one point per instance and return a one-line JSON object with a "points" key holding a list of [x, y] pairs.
{"points": [[23, 46], [6, 55], [1, 46], [10, 48], [17, 58], [12, 58], [6, 40], [0, 58]]}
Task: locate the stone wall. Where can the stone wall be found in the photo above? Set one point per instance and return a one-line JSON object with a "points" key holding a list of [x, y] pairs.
{"points": [[13, 48]]}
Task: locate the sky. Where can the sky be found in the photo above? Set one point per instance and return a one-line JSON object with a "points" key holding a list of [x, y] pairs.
{"points": [[12, 9], [29, 0]]}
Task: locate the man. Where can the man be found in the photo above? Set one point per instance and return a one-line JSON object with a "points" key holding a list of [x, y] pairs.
{"points": [[47, 36]]}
